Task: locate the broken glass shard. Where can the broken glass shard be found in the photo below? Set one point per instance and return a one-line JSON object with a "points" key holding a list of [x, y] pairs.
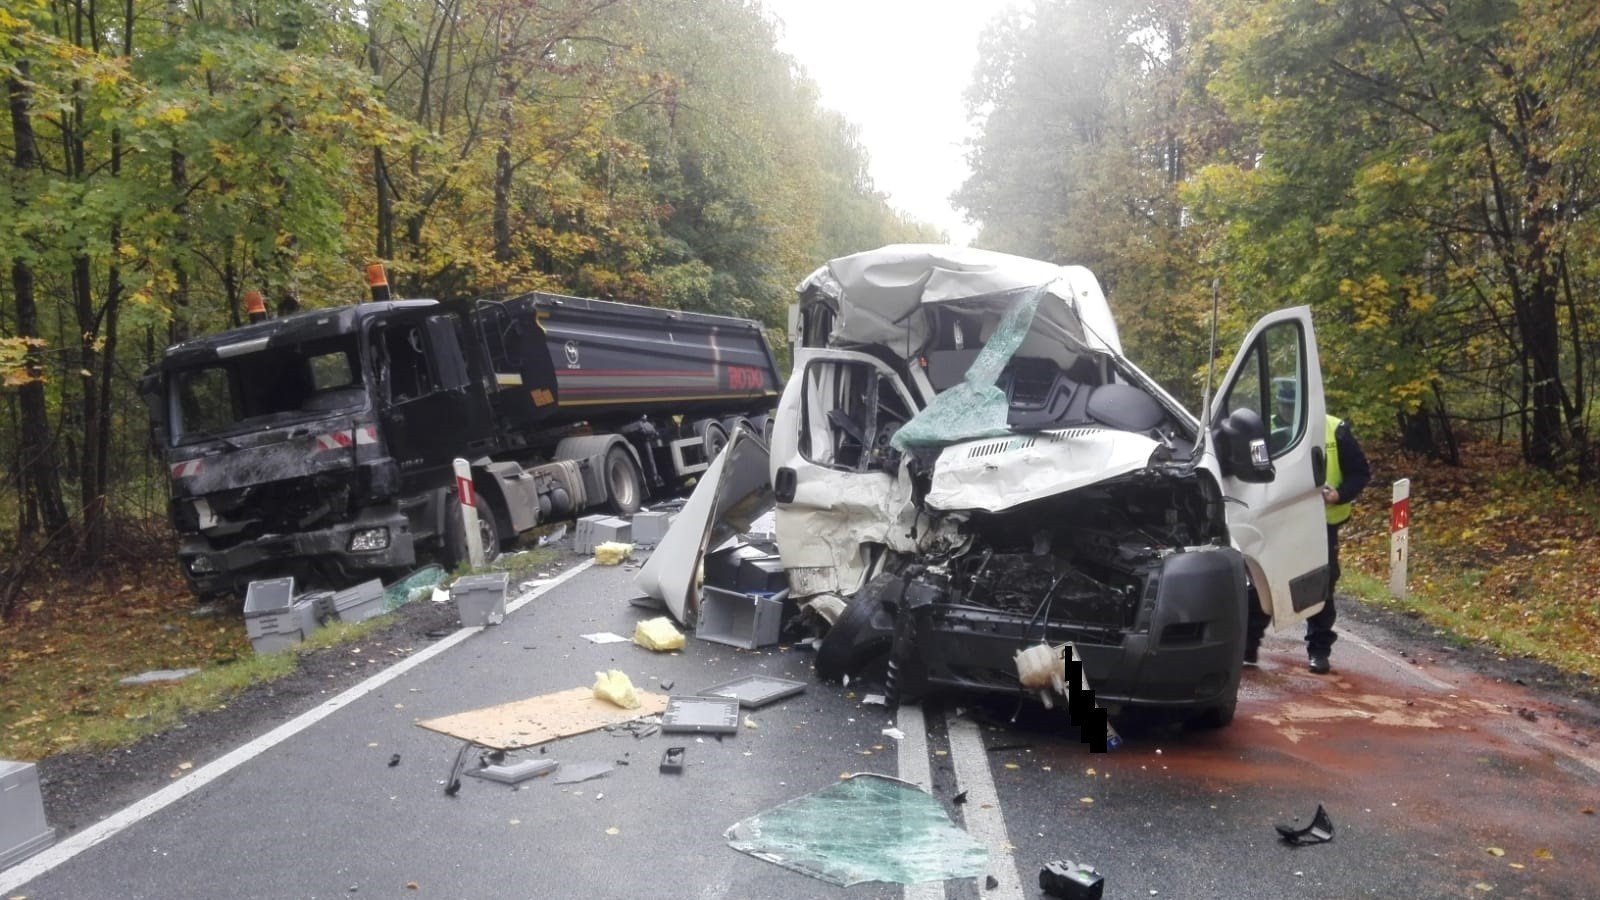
{"points": [[866, 828]]}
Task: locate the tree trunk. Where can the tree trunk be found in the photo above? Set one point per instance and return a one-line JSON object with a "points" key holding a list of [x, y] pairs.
{"points": [[40, 481]]}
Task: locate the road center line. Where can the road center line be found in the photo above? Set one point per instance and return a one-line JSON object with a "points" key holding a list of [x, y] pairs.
{"points": [[985, 821], [109, 827]]}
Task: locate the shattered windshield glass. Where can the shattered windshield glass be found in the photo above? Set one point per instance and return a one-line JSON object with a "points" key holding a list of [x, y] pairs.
{"points": [[865, 828], [976, 407], [293, 382]]}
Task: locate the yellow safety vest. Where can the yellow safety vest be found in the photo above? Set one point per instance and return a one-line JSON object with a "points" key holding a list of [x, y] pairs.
{"points": [[1338, 512]]}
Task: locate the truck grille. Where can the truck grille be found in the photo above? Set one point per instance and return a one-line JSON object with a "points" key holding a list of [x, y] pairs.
{"points": [[284, 506]]}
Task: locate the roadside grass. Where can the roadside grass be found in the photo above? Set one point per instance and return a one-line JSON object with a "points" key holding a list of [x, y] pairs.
{"points": [[61, 661], [1500, 556]]}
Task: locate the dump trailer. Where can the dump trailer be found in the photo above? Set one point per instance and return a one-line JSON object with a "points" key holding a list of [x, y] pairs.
{"points": [[320, 444]]}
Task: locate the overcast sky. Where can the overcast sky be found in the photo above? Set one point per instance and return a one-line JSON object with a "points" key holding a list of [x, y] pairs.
{"points": [[897, 69]]}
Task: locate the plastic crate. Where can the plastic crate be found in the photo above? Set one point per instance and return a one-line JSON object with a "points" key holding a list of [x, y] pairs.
{"points": [[739, 620], [268, 595], [274, 631], [359, 603], [593, 531], [23, 830], [480, 599]]}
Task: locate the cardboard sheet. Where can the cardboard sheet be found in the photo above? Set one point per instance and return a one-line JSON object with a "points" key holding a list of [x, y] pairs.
{"points": [[526, 723]]}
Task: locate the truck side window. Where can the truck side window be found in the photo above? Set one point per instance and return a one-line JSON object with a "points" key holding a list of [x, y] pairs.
{"points": [[409, 376]]}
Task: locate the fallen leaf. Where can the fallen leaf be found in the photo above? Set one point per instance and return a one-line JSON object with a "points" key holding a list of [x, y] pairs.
{"points": [[412, 886], [1086, 800], [1484, 887], [613, 830], [186, 766], [1516, 865], [1587, 810], [516, 821], [1494, 851], [1542, 853], [1012, 766]]}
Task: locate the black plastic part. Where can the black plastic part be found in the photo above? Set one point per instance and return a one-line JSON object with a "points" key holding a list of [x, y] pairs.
{"points": [[1072, 881], [1124, 407], [672, 761], [1320, 831]]}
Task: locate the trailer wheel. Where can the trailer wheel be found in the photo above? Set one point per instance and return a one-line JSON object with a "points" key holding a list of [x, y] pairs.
{"points": [[730, 424], [624, 485], [713, 437], [762, 426]]}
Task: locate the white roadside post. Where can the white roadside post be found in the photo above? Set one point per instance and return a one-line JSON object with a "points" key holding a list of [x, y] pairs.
{"points": [[469, 512], [1399, 537]]}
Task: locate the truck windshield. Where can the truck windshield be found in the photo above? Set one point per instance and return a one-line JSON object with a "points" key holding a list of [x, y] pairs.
{"points": [[274, 384]]}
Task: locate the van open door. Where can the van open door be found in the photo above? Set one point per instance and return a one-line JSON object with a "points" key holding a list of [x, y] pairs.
{"points": [[1268, 443]]}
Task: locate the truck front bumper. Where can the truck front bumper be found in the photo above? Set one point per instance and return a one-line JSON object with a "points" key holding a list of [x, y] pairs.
{"points": [[213, 570]]}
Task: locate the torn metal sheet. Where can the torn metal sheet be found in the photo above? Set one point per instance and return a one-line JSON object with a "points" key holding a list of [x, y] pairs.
{"points": [[733, 493], [866, 828]]}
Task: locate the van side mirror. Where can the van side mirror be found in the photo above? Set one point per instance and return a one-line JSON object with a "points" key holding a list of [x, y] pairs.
{"points": [[1242, 452]]}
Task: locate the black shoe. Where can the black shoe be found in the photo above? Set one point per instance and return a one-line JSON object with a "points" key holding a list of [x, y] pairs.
{"points": [[1319, 664], [1252, 655]]}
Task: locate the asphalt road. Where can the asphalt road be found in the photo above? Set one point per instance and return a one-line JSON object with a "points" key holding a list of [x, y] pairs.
{"points": [[1426, 768]]}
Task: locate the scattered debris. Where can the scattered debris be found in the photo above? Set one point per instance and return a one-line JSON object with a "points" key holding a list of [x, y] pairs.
{"points": [[837, 835], [600, 529], [1074, 881], [553, 536], [613, 685], [517, 772], [603, 637], [612, 553], [990, 882], [875, 700], [1528, 714], [895, 733], [672, 761], [535, 720], [572, 773], [710, 715], [158, 675], [959, 798], [415, 586], [658, 634], [753, 691], [394, 760], [1320, 830], [452, 785]]}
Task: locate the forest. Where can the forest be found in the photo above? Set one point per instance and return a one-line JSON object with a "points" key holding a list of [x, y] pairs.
{"points": [[1420, 173]]}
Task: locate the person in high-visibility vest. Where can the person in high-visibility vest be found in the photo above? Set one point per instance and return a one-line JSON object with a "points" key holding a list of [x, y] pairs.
{"points": [[1348, 475]]}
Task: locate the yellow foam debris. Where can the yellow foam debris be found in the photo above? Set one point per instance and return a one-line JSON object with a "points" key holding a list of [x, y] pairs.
{"points": [[615, 687], [612, 553], [658, 634]]}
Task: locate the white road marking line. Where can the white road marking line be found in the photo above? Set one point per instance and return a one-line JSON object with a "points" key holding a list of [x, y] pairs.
{"points": [[1414, 671], [109, 827], [914, 767], [985, 821]]}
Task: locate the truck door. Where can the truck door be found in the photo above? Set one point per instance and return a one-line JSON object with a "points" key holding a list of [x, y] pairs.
{"points": [[840, 498], [431, 414], [1273, 480]]}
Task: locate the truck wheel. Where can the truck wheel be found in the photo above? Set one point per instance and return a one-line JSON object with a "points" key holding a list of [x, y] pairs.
{"points": [[730, 424], [488, 533], [762, 426], [713, 437], [624, 485]]}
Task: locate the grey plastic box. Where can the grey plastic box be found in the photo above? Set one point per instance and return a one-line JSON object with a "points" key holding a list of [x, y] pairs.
{"points": [[23, 830], [274, 631], [650, 527], [596, 530], [269, 595], [359, 603], [739, 620], [480, 599]]}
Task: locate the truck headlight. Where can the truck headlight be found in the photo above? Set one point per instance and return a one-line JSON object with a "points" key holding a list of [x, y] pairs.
{"points": [[369, 539], [201, 565]]}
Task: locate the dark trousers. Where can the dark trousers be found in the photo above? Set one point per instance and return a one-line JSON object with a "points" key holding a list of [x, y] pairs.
{"points": [[1319, 628]]}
